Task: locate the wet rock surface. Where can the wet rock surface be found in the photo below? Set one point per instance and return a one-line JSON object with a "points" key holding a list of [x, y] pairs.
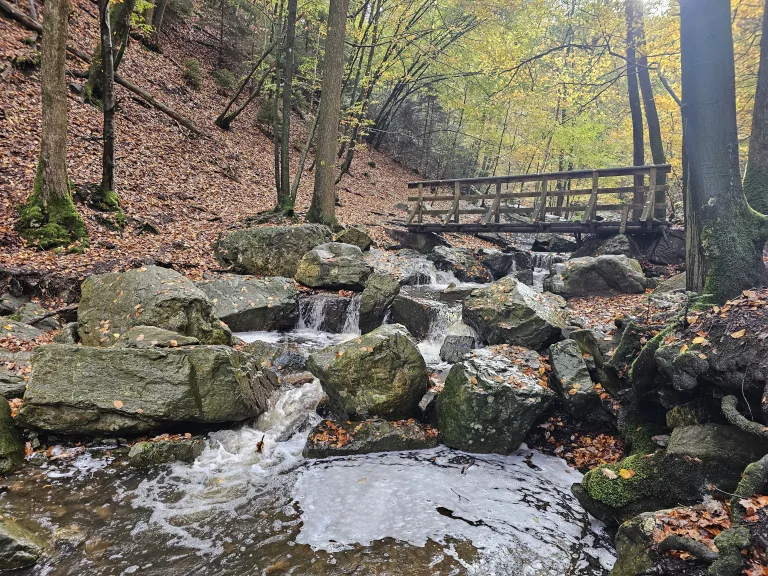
{"points": [[461, 262], [19, 546], [330, 438], [419, 308], [572, 378], [460, 340], [153, 453], [332, 266], [599, 275], [377, 298], [491, 400]]}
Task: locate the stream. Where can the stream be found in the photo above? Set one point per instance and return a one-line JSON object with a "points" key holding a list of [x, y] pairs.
{"points": [[238, 511]]}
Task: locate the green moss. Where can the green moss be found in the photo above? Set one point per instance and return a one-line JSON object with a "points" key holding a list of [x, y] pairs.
{"points": [[618, 492], [51, 225], [729, 544], [108, 201]]}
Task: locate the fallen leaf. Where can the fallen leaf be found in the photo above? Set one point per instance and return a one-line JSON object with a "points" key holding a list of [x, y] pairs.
{"points": [[739, 334], [117, 404], [626, 474], [610, 474]]}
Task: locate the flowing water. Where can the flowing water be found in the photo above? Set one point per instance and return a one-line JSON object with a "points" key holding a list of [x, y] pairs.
{"points": [[238, 511]]}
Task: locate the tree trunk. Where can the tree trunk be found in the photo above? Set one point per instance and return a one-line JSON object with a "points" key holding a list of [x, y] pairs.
{"points": [[223, 121], [49, 218], [323, 208], [157, 19], [120, 24], [108, 103], [635, 105], [756, 178], [284, 197], [649, 102], [724, 251]]}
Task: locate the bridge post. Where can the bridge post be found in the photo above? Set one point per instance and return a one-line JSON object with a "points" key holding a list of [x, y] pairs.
{"points": [[421, 203]]}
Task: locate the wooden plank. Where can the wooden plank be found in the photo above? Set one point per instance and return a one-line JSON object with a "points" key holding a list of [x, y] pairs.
{"points": [[495, 206], [412, 214], [573, 175], [650, 199], [456, 199], [587, 216], [541, 215], [560, 227], [513, 195], [421, 202], [624, 217]]}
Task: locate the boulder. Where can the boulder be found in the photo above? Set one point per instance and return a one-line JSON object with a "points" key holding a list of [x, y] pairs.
{"points": [[635, 547], [420, 309], [618, 245], [33, 314], [460, 340], [245, 304], [149, 296], [68, 334], [153, 337], [675, 283], [11, 441], [408, 267], [423, 242], [502, 264], [548, 242], [282, 358], [380, 374], [461, 263], [357, 236], [19, 546], [509, 312], [9, 304], [592, 342], [572, 378], [346, 438], [333, 266], [95, 391], [492, 399], [379, 293], [665, 249], [11, 385], [18, 330], [601, 275], [153, 453], [328, 312], [270, 250]]}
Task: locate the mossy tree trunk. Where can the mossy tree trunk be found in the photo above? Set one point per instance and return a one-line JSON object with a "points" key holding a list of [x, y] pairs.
{"points": [[120, 24], [49, 218], [323, 208], [724, 251], [756, 177]]}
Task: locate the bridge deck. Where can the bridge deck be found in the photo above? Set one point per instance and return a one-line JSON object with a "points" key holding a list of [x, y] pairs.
{"points": [[641, 207]]}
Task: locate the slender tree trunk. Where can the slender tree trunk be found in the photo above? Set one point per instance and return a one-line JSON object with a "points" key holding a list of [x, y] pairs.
{"points": [[323, 208], [725, 235], [221, 34], [157, 19], [756, 178], [120, 24], [649, 102], [278, 35], [284, 199], [223, 121], [108, 101], [635, 105], [49, 218]]}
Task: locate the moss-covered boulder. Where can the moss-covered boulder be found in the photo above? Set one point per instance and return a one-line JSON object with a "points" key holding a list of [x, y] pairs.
{"points": [[11, 384], [601, 275], [491, 400], [635, 553], [95, 391], [281, 358], [244, 303], [11, 441], [333, 266], [20, 547], [270, 250], [154, 453], [380, 291], [149, 296], [330, 438], [617, 245], [509, 312], [357, 236], [380, 374], [153, 337], [34, 314], [461, 262], [572, 378]]}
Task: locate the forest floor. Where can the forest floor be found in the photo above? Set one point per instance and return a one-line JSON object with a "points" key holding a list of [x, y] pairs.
{"points": [[191, 189]]}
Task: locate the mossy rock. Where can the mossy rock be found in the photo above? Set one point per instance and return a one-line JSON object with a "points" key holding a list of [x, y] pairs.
{"points": [[333, 266], [346, 438], [11, 441], [20, 547], [380, 291], [165, 452]]}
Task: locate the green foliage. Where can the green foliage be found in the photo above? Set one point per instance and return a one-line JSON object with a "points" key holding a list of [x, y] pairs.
{"points": [[192, 73], [224, 78]]}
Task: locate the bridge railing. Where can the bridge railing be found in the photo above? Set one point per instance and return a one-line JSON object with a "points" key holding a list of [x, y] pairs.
{"points": [[646, 204]]}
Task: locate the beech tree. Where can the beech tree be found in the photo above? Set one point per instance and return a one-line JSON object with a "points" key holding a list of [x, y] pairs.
{"points": [[49, 218], [323, 208], [725, 236]]}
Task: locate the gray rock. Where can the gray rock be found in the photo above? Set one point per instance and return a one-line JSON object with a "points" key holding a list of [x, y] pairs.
{"points": [[489, 402], [10, 304], [602, 275], [418, 309], [31, 313], [635, 546], [19, 546], [165, 452], [68, 334], [571, 375], [245, 303], [11, 441], [618, 245], [18, 330], [666, 249], [357, 236], [380, 374], [524, 276], [380, 291], [460, 340], [504, 263], [423, 242], [553, 243], [270, 250], [346, 438], [461, 263], [112, 391], [592, 342], [113, 303], [283, 358], [333, 266], [153, 337], [509, 312], [675, 283], [11, 385]]}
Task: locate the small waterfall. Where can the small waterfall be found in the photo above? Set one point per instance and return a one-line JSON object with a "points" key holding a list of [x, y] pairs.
{"points": [[311, 313], [543, 266], [329, 313], [445, 316], [352, 319]]}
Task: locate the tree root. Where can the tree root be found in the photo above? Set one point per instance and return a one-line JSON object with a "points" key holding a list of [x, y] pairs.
{"points": [[731, 412], [701, 551]]}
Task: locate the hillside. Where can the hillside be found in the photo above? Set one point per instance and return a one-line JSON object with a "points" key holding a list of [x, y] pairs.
{"points": [[190, 189]]}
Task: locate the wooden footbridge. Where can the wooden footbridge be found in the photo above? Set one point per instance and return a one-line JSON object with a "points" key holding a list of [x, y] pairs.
{"points": [[521, 203]]}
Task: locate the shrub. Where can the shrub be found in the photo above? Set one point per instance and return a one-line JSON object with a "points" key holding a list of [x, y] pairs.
{"points": [[192, 73]]}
